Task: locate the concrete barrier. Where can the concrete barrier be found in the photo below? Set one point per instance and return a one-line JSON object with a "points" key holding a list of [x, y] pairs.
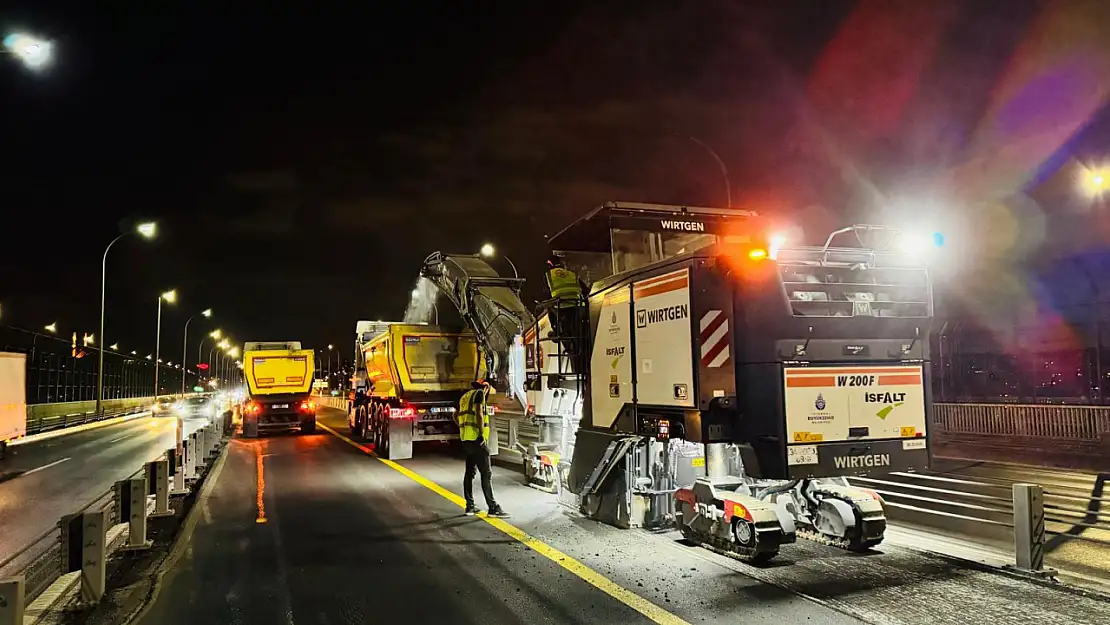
{"points": [[73, 558]]}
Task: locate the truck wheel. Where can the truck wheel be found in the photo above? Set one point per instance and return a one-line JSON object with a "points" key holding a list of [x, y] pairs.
{"points": [[308, 427], [366, 427], [359, 431], [383, 449]]}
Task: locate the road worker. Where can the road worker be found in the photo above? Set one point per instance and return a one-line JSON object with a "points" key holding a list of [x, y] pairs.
{"points": [[473, 420]]}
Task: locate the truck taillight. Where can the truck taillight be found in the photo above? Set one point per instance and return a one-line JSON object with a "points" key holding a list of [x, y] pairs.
{"points": [[307, 406], [405, 412], [253, 408]]}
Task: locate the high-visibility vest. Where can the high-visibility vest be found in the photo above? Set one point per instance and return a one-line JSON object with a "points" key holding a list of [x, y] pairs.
{"points": [[563, 284], [472, 416]]}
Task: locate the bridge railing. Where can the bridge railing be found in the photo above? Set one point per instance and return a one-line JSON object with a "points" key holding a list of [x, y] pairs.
{"points": [[45, 417], [1078, 423]]}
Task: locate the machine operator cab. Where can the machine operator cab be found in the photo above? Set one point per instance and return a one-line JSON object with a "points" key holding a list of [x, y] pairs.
{"points": [[782, 362]]}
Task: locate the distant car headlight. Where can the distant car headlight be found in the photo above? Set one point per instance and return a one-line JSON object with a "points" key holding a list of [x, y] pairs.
{"points": [[156, 408], [179, 407]]}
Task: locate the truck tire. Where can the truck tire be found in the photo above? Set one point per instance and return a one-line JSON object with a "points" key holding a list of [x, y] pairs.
{"points": [[376, 426], [383, 449], [308, 427]]}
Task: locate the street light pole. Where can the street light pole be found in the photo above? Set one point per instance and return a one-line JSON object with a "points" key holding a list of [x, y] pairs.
{"points": [[157, 347], [103, 293], [185, 349], [488, 251], [170, 296], [724, 169], [147, 230]]}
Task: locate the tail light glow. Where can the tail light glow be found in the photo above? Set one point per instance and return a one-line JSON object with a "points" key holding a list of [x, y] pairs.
{"points": [[757, 253], [307, 406], [404, 412], [253, 408]]}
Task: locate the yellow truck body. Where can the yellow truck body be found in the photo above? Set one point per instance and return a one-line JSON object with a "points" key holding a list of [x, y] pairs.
{"points": [[414, 359], [279, 372]]}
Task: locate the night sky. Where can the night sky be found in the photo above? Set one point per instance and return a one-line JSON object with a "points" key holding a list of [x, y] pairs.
{"points": [[302, 162]]}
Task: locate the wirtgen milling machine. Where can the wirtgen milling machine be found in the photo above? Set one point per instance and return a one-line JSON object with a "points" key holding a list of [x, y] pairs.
{"points": [[733, 381], [718, 378]]}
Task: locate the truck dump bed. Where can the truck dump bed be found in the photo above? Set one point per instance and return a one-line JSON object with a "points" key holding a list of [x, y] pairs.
{"points": [[279, 372], [421, 363]]}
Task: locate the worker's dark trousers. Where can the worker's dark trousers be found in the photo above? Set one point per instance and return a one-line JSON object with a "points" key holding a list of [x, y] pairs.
{"points": [[477, 459]]}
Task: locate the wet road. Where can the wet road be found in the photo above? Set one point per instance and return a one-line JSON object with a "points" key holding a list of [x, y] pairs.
{"points": [[49, 478], [310, 529], [340, 537]]}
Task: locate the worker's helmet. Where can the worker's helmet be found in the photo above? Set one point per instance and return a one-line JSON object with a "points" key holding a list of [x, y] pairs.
{"points": [[479, 384]]}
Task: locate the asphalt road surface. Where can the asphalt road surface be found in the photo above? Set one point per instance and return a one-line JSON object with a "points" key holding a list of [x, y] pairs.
{"points": [[312, 529], [56, 476]]}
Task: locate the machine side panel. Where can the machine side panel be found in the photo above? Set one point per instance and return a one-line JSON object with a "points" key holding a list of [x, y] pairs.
{"points": [[665, 373], [611, 359], [715, 329], [826, 404]]}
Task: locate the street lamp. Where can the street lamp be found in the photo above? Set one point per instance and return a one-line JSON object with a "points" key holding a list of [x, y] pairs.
{"points": [[1096, 181], [51, 328], [33, 52], [489, 252], [114, 347], [146, 230], [171, 297], [207, 313]]}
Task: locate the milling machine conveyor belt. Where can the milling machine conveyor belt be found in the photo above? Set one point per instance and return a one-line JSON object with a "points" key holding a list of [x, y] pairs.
{"points": [[489, 303]]}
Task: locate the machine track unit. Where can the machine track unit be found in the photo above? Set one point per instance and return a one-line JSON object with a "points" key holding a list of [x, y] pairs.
{"points": [[731, 522]]}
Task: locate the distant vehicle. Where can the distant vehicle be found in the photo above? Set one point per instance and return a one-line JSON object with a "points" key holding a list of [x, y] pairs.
{"points": [[162, 407], [13, 400], [279, 382], [418, 374], [197, 407], [320, 387]]}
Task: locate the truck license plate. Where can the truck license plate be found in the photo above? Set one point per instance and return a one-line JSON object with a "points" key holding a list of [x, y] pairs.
{"points": [[280, 406]]}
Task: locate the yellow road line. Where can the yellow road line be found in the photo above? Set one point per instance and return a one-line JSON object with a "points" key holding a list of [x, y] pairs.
{"points": [[653, 612]]}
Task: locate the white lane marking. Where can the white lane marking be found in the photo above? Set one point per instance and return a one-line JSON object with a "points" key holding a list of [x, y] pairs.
{"points": [[116, 440], [45, 466]]}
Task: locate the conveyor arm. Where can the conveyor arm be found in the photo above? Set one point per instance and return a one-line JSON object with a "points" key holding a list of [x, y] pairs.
{"points": [[491, 306]]}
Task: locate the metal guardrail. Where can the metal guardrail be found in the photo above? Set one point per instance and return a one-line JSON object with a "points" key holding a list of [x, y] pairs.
{"points": [[1057, 422], [33, 569], [1002, 510], [38, 425]]}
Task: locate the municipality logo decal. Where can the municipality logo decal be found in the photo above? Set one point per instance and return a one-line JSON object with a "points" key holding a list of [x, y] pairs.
{"points": [[641, 318], [820, 403]]}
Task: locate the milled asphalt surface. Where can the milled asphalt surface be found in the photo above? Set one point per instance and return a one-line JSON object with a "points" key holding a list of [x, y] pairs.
{"points": [[56, 476], [348, 539]]}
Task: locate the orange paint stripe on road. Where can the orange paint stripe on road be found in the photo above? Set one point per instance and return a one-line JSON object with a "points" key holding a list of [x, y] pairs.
{"points": [[261, 518], [899, 380], [827, 380], [665, 287]]}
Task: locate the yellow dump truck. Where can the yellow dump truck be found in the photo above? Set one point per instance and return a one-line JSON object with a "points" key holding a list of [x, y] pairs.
{"points": [[279, 381], [413, 376]]}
